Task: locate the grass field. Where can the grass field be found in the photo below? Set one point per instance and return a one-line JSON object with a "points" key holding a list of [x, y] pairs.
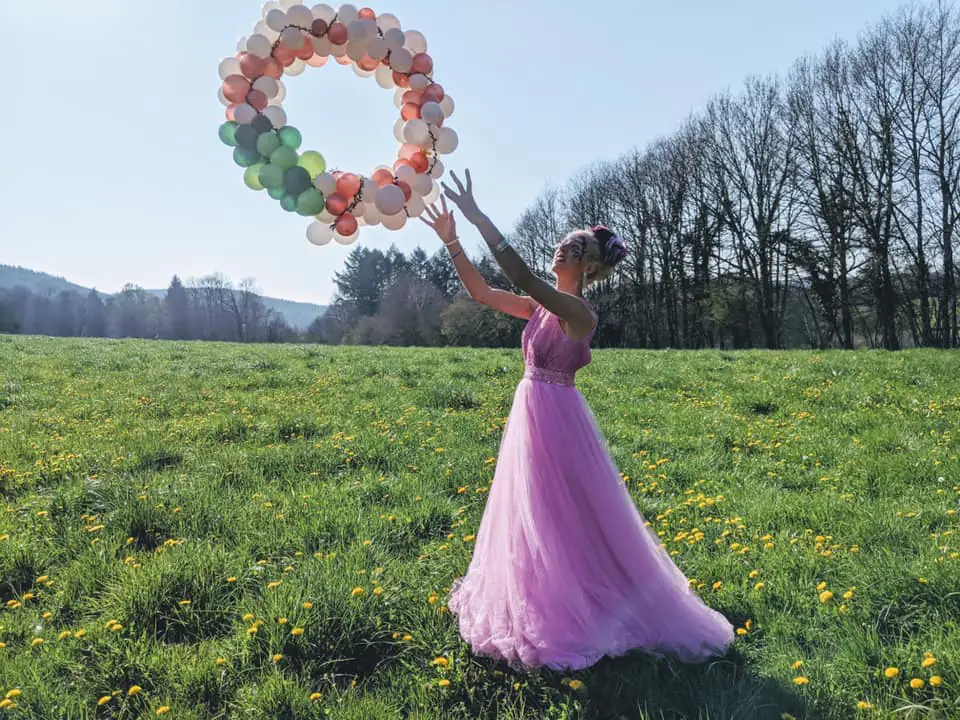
{"points": [[219, 531]]}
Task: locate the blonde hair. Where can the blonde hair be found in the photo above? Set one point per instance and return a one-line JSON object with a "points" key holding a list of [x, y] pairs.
{"points": [[592, 253]]}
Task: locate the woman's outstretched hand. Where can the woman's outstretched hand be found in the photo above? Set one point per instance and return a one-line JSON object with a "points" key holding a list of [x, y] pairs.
{"points": [[463, 197], [442, 221]]}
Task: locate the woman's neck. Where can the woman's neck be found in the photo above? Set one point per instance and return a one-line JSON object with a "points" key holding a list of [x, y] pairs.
{"points": [[570, 288]]}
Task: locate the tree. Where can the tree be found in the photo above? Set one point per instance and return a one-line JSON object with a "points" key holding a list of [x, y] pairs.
{"points": [[176, 309]]}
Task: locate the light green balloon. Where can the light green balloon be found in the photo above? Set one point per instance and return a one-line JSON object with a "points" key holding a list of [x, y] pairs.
{"points": [[313, 162], [228, 133], [290, 137], [284, 157], [276, 193], [251, 176], [267, 143], [310, 202], [271, 176]]}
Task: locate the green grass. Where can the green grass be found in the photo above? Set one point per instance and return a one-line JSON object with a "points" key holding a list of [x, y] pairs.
{"points": [[252, 480]]}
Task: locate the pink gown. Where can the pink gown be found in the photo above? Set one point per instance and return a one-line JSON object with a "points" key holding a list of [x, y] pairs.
{"points": [[564, 571]]}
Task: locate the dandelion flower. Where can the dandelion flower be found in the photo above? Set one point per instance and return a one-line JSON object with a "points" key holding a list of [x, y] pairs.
{"points": [[277, 658], [163, 710], [929, 661], [936, 681], [826, 596], [308, 606], [314, 697], [801, 680], [759, 586], [221, 661], [797, 665], [297, 631], [357, 591], [741, 632], [13, 694], [576, 684], [36, 641], [821, 587], [441, 662], [134, 689], [864, 705], [917, 683], [104, 700], [892, 672], [248, 617], [231, 579]]}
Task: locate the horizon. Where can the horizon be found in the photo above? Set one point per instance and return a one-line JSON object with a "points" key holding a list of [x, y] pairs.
{"points": [[146, 189]]}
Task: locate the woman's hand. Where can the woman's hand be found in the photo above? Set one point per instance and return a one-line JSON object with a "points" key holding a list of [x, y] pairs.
{"points": [[464, 198], [442, 222]]}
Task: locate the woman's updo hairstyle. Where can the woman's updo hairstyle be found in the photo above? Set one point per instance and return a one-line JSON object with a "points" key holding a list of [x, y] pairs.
{"points": [[610, 250]]}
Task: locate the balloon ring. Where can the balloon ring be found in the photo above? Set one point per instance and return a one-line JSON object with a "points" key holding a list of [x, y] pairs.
{"points": [[290, 37]]}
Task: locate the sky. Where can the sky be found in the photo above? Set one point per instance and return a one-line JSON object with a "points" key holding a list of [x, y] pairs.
{"points": [[114, 172]]}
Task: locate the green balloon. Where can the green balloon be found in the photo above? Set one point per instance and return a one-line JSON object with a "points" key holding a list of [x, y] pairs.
{"points": [[228, 133], [267, 143], [276, 193], [247, 137], [288, 203], [313, 162], [244, 157], [284, 157], [252, 176], [262, 124], [290, 137], [310, 202], [271, 176], [296, 180]]}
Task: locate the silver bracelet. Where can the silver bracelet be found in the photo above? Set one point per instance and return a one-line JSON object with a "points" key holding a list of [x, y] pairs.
{"points": [[456, 254], [502, 245]]}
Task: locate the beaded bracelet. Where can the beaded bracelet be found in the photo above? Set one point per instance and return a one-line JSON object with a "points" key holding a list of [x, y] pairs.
{"points": [[502, 245]]}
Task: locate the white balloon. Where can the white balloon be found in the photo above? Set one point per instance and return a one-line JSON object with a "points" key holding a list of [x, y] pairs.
{"points": [[431, 113], [223, 98], [371, 25], [415, 41], [268, 6], [300, 16], [438, 170], [322, 46], [384, 77], [292, 38], [323, 12], [263, 29], [288, 4], [415, 206], [276, 20], [398, 97], [431, 197], [368, 190], [406, 174], [394, 222], [377, 48], [388, 21], [349, 240], [398, 129], [401, 60], [422, 184], [325, 216], [244, 114], [390, 199], [338, 50], [260, 46], [356, 51], [281, 94], [231, 66], [371, 215], [267, 85], [394, 39], [242, 44], [357, 30], [326, 184], [319, 233], [276, 116], [447, 141], [296, 68], [360, 72], [419, 81], [447, 105], [416, 132], [347, 14]]}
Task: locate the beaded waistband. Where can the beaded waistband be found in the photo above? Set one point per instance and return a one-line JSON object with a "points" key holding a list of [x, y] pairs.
{"points": [[553, 377]]}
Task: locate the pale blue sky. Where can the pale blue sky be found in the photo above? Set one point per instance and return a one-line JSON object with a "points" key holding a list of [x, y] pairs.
{"points": [[114, 172]]}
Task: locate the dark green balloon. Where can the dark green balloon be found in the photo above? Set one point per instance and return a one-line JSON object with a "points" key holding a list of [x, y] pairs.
{"points": [[247, 137], [290, 137], [245, 157], [271, 176], [284, 157], [276, 193], [228, 133], [296, 180], [262, 124], [310, 202], [288, 203], [267, 143]]}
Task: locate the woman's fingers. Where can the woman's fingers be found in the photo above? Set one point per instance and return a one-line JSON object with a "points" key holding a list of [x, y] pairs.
{"points": [[469, 180], [443, 203], [457, 181]]}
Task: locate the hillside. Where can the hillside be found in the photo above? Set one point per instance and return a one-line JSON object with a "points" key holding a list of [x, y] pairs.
{"points": [[297, 314]]}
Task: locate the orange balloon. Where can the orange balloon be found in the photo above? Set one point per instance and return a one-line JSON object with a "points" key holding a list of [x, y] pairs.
{"points": [[410, 112], [413, 96], [347, 225], [434, 93], [337, 34], [367, 63], [251, 65], [272, 68], [366, 14], [420, 162], [348, 185], [382, 177], [318, 60], [336, 204], [235, 88], [422, 63], [407, 190], [284, 55], [306, 52], [400, 79], [258, 100]]}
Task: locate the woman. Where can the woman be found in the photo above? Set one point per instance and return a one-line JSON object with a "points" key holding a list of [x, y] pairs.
{"points": [[564, 571]]}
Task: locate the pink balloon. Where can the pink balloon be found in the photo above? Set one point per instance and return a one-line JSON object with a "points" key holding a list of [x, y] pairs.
{"points": [[434, 93], [422, 63], [382, 177], [258, 99], [348, 185], [419, 161], [337, 34], [251, 65], [347, 225], [336, 204], [273, 68], [401, 79], [409, 112], [306, 52], [235, 88]]}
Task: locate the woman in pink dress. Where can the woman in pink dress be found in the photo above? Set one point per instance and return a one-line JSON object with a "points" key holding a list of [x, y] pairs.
{"points": [[564, 570]]}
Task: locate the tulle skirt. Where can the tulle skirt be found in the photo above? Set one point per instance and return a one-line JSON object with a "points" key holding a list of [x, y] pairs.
{"points": [[564, 571]]}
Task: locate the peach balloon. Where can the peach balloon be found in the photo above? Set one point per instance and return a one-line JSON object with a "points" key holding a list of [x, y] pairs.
{"points": [[383, 177], [306, 52], [258, 99], [284, 55], [348, 185], [434, 93], [336, 204], [422, 63], [401, 163], [367, 63], [251, 65], [235, 88], [419, 161], [407, 151], [347, 225], [409, 112], [413, 96], [366, 14], [407, 190], [400, 79], [344, 60], [273, 68], [338, 34], [318, 60], [231, 113]]}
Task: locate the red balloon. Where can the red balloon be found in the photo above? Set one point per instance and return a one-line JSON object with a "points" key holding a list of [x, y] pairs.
{"points": [[235, 88], [272, 68], [284, 55], [420, 162], [258, 99], [407, 190], [422, 63], [366, 14], [347, 225], [382, 177], [410, 112], [337, 33], [336, 204], [434, 93], [306, 52], [319, 28], [348, 185], [413, 96], [400, 79], [251, 65]]}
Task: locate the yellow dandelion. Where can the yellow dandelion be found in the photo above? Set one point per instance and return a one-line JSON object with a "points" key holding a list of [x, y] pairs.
{"points": [[801, 680], [928, 661], [163, 710], [936, 681], [80, 633], [277, 658], [297, 631], [864, 705], [104, 700], [759, 586], [433, 599], [718, 584], [248, 617], [13, 694], [357, 591], [826, 596], [185, 602], [7, 704], [36, 641], [917, 683], [821, 587], [231, 579], [64, 635], [891, 672], [367, 543], [282, 621], [576, 684], [441, 662], [314, 697], [134, 689], [797, 665], [308, 606], [753, 574], [274, 585], [444, 683], [378, 591]]}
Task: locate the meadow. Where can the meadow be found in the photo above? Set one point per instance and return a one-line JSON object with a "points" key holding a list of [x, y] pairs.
{"points": [[199, 531]]}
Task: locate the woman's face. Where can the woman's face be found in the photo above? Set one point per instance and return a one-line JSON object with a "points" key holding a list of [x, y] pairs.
{"points": [[569, 257]]}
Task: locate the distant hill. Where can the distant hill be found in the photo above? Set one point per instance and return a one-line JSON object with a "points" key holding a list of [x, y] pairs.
{"points": [[298, 315]]}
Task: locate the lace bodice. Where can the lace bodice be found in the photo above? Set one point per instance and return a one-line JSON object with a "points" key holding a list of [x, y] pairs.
{"points": [[549, 355]]}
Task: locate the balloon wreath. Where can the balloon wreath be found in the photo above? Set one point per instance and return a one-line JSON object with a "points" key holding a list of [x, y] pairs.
{"points": [[288, 38]]}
